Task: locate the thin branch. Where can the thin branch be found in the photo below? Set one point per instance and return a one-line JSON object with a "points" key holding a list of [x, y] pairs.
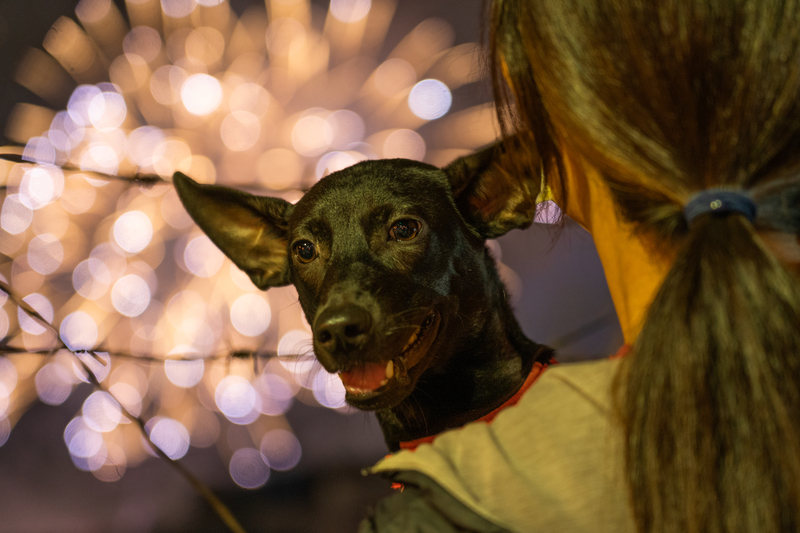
{"points": [[139, 179], [143, 179], [216, 504], [238, 354]]}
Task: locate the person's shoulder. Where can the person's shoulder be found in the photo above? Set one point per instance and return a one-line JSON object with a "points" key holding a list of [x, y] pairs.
{"points": [[589, 378], [585, 382]]}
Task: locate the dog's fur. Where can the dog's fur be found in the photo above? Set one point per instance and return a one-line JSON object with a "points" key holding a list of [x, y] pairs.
{"points": [[389, 262]]}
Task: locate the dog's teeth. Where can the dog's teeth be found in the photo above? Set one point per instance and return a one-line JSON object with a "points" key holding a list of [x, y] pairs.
{"points": [[384, 382], [411, 341], [390, 370]]}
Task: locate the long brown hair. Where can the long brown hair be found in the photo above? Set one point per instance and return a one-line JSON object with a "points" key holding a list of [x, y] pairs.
{"points": [[665, 99]]}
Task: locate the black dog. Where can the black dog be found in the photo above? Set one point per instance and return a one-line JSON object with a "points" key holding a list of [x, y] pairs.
{"points": [[389, 262]]}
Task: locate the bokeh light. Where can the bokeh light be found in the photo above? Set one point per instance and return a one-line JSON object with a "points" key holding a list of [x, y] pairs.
{"points": [[251, 315], [247, 468], [130, 295], [79, 102], [184, 374], [133, 231], [143, 41], [41, 305], [82, 441], [45, 253], [280, 449], [15, 216], [5, 399], [169, 435], [114, 466], [91, 278], [201, 94], [312, 135], [41, 185], [101, 412], [430, 99], [269, 99], [128, 397], [295, 349], [202, 257], [405, 144], [107, 111], [277, 395], [240, 130], [53, 383], [98, 363], [350, 10], [328, 390], [8, 375], [178, 8], [235, 397], [394, 76], [5, 430], [79, 331], [100, 157]]}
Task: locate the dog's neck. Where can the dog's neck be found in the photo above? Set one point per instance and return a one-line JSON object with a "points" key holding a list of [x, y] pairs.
{"points": [[486, 368]]}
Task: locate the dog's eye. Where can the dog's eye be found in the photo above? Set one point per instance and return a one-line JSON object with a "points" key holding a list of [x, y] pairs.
{"points": [[305, 251], [404, 229]]}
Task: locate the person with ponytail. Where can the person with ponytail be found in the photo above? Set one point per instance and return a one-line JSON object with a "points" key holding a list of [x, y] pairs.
{"points": [[671, 131]]}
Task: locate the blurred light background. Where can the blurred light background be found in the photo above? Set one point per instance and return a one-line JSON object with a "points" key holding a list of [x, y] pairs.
{"points": [[265, 96]]}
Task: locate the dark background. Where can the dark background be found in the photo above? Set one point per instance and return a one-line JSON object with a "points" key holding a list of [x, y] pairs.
{"points": [[564, 302]]}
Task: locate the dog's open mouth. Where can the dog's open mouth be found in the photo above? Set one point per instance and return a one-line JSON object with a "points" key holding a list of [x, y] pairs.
{"points": [[369, 380]]}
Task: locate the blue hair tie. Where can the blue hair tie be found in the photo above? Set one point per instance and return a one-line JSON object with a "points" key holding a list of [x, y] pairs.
{"points": [[720, 201]]}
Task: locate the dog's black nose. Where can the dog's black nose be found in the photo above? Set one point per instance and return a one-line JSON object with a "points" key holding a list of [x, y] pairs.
{"points": [[342, 329]]}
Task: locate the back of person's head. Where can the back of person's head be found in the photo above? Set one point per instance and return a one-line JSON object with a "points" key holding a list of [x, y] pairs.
{"points": [[666, 99]]}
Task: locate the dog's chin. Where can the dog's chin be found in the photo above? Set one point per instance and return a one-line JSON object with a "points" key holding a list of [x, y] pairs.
{"points": [[401, 372]]}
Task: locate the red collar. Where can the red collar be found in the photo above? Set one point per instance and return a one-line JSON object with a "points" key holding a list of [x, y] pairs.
{"points": [[534, 374], [624, 350]]}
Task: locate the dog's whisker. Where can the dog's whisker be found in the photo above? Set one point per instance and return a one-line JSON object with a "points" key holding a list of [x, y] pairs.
{"points": [[411, 310], [395, 329]]}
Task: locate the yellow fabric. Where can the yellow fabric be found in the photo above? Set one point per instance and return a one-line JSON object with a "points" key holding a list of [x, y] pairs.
{"points": [[552, 463], [632, 272]]}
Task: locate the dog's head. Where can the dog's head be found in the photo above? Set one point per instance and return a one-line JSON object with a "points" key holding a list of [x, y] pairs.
{"points": [[387, 257]]}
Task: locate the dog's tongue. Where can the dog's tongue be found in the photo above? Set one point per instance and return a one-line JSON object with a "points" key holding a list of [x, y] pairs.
{"points": [[366, 377]]}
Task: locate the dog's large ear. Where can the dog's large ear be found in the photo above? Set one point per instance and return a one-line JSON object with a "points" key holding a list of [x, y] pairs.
{"points": [[251, 230], [490, 193]]}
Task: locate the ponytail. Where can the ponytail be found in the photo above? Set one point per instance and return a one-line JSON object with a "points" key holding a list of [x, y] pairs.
{"points": [[666, 99], [710, 398]]}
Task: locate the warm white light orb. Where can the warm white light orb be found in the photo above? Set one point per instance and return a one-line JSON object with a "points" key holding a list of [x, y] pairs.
{"points": [[170, 436], [133, 231], [101, 412], [350, 10], [201, 94], [130, 295], [40, 304], [202, 257], [107, 111], [248, 469], [240, 130], [312, 136], [45, 253], [184, 374], [281, 449], [251, 315], [430, 99], [79, 331]]}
